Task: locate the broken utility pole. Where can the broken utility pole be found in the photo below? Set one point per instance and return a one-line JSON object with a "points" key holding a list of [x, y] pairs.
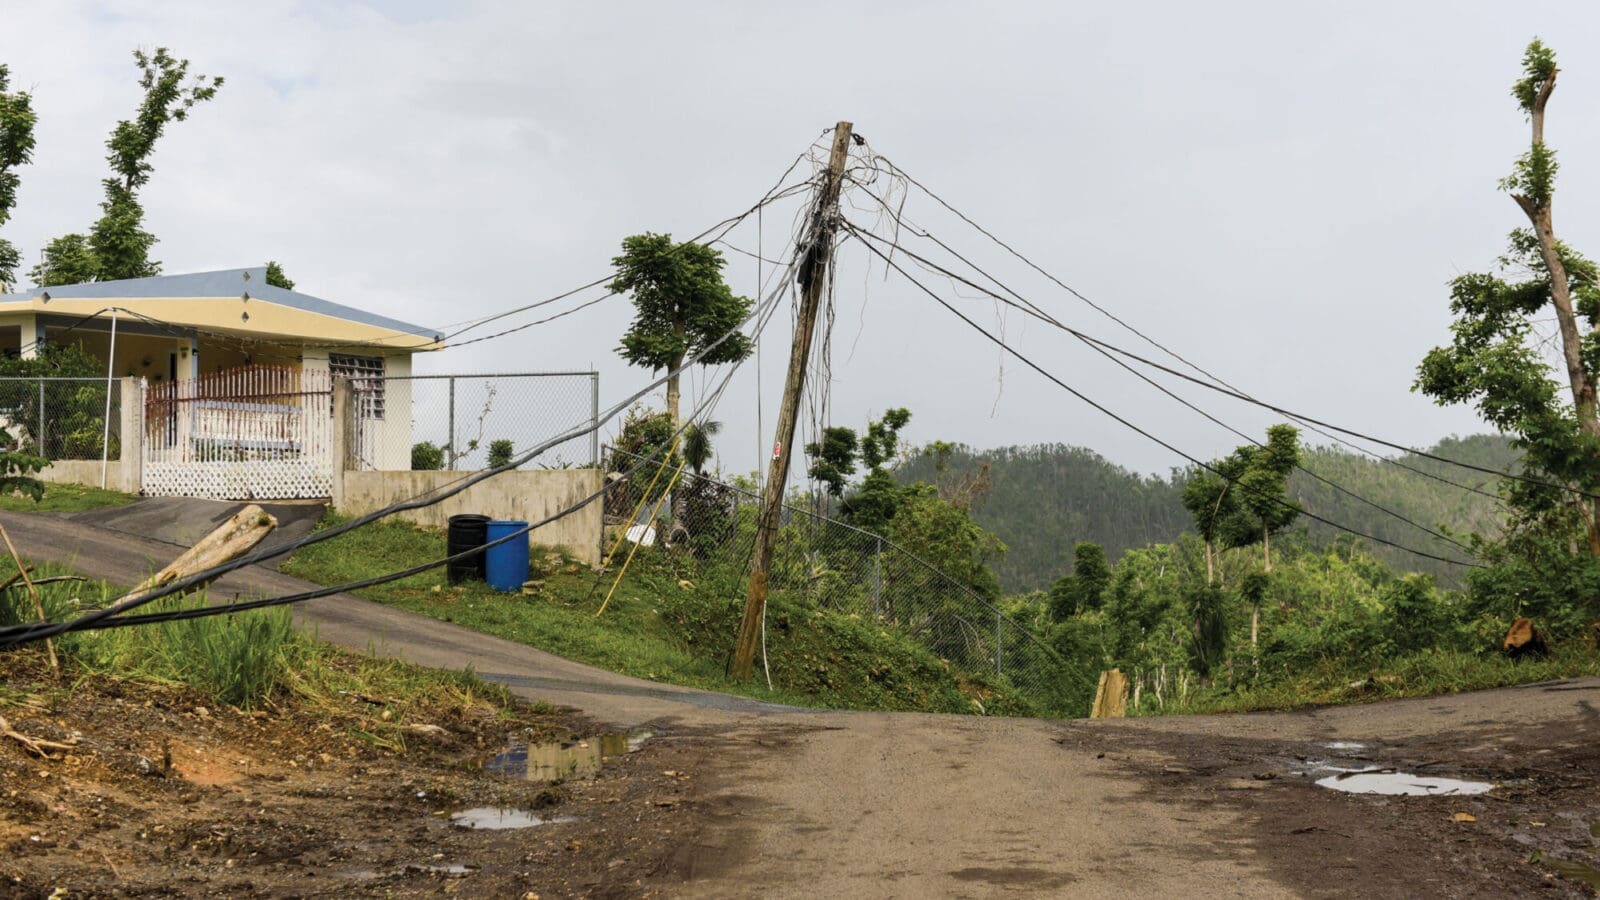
{"points": [[813, 277]]}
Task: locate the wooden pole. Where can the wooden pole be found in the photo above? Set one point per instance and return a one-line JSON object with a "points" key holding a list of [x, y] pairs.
{"points": [[38, 604], [813, 277]]}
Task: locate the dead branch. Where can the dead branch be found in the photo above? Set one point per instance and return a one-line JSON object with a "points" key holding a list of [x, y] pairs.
{"points": [[38, 604], [37, 746], [12, 581]]}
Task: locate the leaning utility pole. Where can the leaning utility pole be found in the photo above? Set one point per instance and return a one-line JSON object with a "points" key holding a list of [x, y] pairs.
{"points": [[813, 277]]}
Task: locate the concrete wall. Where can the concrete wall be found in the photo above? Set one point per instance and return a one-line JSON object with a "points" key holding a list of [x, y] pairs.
{"points": [[528, 496]]}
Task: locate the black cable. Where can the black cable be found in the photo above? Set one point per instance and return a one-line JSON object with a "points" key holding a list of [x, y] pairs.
{"points": [[34, 631], [285, 599], [1032, 310], [859, 232], [1310, 423], [1000, 342]]}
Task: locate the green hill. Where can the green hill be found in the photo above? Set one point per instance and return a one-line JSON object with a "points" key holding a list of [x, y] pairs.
{"points": [[1046, 498]]}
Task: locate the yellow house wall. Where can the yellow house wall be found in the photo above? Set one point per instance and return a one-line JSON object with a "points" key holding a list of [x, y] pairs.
{"points": [[387, 441], [256, 318]]}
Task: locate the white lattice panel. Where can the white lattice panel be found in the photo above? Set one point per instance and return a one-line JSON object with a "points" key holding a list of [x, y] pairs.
{"points": [[256, 433], [256, 480]]}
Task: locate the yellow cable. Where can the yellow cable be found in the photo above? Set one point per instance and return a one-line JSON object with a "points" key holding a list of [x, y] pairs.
{"points": [[653, 510], [665, 460]]}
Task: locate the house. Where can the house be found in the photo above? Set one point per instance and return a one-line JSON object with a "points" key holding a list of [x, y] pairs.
{"points": [[176, 328]]}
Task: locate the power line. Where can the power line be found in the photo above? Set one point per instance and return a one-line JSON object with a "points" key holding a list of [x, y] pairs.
{"points": [[702, 412], [15, 634], [1135, 428], [1312, 424], [934, 267], [1033, 310]]}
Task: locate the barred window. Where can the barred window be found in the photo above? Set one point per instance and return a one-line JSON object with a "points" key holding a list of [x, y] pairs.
{"points": [[366, 372]]}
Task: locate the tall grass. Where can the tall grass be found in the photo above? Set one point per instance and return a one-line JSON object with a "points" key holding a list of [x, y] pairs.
{"points": [[238, 659]]}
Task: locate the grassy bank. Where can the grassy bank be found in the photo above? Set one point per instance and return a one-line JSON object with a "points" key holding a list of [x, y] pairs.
{"points": [[669, 620], [65, 498], [253, 660], [1425, 674]]}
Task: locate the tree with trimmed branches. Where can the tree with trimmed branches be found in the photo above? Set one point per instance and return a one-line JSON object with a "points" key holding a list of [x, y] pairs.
{"points": [[682, 307], [1495, 361], [17, 119], [117, 244]]}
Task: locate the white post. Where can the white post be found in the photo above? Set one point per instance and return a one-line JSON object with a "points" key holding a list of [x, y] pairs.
{"points": [[105, 433]]}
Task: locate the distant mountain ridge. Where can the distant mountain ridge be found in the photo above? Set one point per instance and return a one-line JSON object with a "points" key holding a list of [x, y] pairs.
{"points": [[1046, 498]]}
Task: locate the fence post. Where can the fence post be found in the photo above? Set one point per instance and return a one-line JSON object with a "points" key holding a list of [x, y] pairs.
{"points": [[39, 438], [343, 451], [452, 443], [594, 418], [131, 472], [877, 581], [999, 623]]}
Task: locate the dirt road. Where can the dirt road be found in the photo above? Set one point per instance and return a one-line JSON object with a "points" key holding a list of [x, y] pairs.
{"points": [[788, 802]]}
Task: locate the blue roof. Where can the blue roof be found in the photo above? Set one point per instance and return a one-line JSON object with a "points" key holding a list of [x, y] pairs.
{"points": [[224, 283]]}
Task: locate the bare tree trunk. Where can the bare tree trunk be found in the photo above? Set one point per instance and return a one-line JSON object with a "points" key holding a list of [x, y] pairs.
{"points": [[672, 399], [1211, 569], [1583, 389]]}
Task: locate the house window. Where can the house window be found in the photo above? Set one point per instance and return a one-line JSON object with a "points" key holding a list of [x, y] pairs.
{"points": [[366, 372]]}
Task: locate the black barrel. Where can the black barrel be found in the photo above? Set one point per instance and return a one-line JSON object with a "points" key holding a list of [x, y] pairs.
{"points": [[467, 532]]}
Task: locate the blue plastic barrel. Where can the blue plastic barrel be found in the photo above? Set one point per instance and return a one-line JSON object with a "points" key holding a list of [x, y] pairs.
{"points": [[506, 565]]}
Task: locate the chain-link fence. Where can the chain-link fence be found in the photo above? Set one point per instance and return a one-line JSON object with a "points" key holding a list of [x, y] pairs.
{"points": [[61, 418], [468, 422], [826, 567]]}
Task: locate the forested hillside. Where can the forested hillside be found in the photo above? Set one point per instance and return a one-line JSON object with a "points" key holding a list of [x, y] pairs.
{"points": [[1046, 498]]}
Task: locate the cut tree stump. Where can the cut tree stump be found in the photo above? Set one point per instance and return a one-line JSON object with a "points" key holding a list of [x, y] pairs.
{"points": [[1111, 697]]}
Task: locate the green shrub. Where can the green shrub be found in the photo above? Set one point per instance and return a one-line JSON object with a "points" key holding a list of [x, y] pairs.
{"points": [[500, 453], [426, 456]]}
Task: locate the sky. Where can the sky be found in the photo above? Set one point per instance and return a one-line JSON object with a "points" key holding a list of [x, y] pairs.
{"points": [[1279, 192]]}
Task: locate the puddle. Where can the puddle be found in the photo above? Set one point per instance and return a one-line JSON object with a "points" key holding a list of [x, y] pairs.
{"points": [[1344, 745], [1402, 784], [556, 760], [1576, 871], [490, 818]]}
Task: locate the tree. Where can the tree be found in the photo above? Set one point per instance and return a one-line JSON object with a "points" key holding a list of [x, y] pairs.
{"points": [[1264, 483], [1492, 361], [66, 260], [276, 278], [697, 444], [17, 119], [1210, 498], [682, 307], [117, 243], [1083, 590], [840, 453]]}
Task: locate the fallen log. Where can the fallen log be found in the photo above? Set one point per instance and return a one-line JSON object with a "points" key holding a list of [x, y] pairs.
{"points": [[232, 539]]}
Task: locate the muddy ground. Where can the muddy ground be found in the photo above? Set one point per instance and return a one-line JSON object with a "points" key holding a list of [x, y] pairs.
{"points": [[287, 802], [1537, 833]]}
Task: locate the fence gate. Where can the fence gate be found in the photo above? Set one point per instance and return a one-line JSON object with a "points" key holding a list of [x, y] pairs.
{"points": [[253, 433]]}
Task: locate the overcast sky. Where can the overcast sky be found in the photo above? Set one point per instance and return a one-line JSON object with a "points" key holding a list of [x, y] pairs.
{"points": [[1278, 191]]}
